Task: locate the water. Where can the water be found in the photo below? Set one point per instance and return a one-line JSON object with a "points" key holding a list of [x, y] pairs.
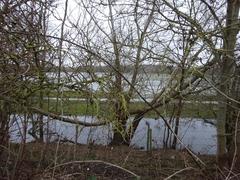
{"points": [[194, 133], [197, 135]]}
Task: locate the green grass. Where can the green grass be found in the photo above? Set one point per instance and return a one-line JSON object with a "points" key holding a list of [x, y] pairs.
{"points": [[69, 94], [79, 94], [77, 107], [70, 107], [195, 110]]}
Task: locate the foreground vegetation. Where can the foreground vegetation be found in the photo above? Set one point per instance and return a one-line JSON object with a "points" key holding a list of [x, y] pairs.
{"points": [[43, 161]]}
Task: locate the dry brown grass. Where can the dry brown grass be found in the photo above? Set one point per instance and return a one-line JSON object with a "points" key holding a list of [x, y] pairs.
{"points": [[46, 160]]}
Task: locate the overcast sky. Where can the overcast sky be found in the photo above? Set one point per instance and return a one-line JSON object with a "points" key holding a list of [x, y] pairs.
{"points": [[74, 12]]}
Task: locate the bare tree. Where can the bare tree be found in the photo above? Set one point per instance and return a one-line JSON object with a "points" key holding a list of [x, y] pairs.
{"points": [[133, 35], [25, 56]]}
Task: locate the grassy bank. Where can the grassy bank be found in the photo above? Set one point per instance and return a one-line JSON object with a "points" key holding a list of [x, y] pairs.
{"points": [[79, 107]]}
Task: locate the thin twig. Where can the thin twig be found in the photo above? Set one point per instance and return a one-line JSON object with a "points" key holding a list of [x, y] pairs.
{"points": [[177, 172], [55, 160]]}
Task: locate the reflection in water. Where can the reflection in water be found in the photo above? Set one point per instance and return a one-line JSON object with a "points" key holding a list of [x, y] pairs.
{"points": [[196, 134]]}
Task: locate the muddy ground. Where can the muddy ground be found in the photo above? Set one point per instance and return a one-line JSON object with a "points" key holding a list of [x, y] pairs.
{"points": [[68, 161]]}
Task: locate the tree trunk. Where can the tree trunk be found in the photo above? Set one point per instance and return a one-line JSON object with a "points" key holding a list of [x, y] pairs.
{"points": [[119, 126], [118, 138], [41, 123], [225, 119], [179, 111], [131, 130], [4, 126], [233, 122]]}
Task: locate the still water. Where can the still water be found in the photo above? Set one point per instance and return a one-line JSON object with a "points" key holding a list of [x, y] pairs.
{"points": [[196, 134]]}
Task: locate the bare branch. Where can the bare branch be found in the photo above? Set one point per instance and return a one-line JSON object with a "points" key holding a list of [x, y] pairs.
{"points": [[66, 119]]}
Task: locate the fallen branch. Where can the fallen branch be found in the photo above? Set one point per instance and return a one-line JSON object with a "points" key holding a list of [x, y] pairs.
{"points": [[67, 119]]}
